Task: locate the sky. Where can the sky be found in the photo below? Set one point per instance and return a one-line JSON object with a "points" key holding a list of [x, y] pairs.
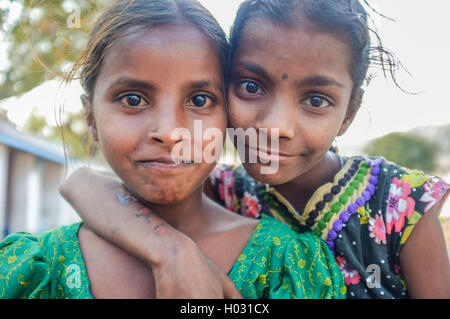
{"points": [[418, 37]]}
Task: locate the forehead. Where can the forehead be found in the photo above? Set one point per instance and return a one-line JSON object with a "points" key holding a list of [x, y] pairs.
{"points": [[302, 46], [166, 46]]}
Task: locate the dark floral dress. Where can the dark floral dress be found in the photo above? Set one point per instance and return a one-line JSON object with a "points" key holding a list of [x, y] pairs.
{"points": [[365, 216]]}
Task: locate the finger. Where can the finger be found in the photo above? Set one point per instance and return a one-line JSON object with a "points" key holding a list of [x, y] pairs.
{"points": [[229, 289]]}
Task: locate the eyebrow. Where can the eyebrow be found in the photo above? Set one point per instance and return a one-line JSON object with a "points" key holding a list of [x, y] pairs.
{"points": [[198, 85], [132, 83], [254, 68], [319, 80]]}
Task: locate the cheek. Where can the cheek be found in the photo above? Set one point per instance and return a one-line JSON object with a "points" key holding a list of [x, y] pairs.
{"points": [[117, 138], [241, 114], [213, 139], [318, 134]]}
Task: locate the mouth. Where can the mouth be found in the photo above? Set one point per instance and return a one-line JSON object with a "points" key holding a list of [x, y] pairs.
{"points": [[164, 164], [270, 155]]}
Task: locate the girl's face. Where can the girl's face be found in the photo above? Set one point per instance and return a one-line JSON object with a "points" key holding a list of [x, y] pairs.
{"points": [[151, 83], [296, 79]]}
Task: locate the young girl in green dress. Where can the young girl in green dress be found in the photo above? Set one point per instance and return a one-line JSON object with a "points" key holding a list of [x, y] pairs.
{"points": [[152, 66], [298, 66]]}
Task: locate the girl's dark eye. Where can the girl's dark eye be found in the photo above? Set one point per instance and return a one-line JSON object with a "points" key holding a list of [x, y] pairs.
{"points": [[133, 100], [251, 87], [317, 101], [200, 101]]}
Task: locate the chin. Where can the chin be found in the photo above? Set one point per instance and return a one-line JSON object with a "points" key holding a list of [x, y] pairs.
{"points": [[278, 178], [160, 193], [164, 196]]}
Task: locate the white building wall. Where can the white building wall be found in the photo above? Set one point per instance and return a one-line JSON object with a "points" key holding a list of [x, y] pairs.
{"points": [[4, 159], [33, 197], [54, 209], [50, 205], [22, 165]]}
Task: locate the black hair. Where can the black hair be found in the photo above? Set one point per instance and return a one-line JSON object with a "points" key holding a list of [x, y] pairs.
{"points": [[123, 17], [349, 18]]}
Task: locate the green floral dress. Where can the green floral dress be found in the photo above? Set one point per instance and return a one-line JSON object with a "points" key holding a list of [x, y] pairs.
{"points": [[365, 215], [276, 263]]}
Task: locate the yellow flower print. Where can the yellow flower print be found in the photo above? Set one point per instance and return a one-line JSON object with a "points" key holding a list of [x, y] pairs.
{"points": [[301, 263], [61, 259], [415, 178], [242, 257], [364, 214], [412, 221], [12, 259], [277, 241], [262, 279], [327, 282], [415, 217]]}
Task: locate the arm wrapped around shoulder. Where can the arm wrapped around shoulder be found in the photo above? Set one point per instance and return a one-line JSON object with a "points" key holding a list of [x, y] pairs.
{"points": [[24, 268]]}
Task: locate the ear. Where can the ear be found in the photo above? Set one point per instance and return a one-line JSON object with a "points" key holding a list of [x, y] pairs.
{"points": [[89, 115], [353, 107]]}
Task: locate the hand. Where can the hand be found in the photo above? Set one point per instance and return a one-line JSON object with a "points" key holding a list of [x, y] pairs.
{"points": [[189, 274]]}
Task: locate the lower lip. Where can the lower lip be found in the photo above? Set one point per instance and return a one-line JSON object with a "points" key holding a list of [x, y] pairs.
{"points": [[266, 157], [165, 166]]}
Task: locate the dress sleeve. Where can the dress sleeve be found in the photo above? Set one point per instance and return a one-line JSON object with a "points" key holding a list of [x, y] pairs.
{"points": [[410, 195], [309, 271], [24, 268]]}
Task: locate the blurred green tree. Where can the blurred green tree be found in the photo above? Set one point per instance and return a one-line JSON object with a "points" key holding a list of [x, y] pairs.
{"points": [[43, 40], [409, 150]]}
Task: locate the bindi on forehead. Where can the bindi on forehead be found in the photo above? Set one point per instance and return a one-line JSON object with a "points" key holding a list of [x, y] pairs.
{"points": [[284, 76]]}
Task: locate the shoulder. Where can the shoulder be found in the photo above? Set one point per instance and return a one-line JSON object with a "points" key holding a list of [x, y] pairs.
{"points": [[289, 264], [274, 234], [62, 236], [421, 186], [44, 245], [28, 262], [404, 195]]}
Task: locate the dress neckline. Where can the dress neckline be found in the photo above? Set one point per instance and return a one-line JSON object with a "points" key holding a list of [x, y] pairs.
{"points": [[332, 204]]}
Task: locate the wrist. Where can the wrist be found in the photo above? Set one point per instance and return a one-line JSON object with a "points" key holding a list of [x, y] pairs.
{"points": [[175, 248]]}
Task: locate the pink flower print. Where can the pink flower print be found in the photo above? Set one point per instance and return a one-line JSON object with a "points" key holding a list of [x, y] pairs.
{"points": [[214, 176], [228, 189], [351, 276], [377, 229], [221, 192], [251, 205], [396, 269], [399, 205], [434, 191]]}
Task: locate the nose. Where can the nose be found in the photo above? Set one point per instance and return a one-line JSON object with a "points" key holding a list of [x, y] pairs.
{"points": [[164, 121], [279, 114]]}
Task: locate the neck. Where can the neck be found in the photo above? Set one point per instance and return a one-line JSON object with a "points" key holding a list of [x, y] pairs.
{"points": [[299, 190], [187, 216]]}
